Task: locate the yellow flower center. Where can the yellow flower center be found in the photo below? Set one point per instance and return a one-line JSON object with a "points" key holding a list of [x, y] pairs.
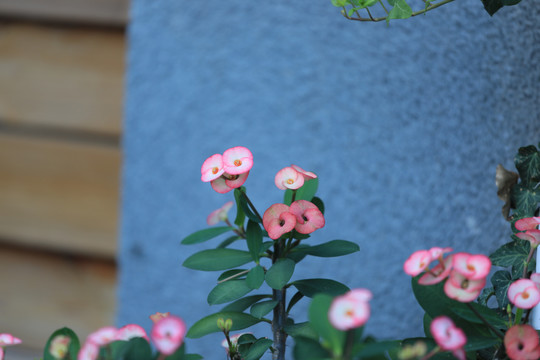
{"points": [[237, 162], [290, 181], [215, 170]]}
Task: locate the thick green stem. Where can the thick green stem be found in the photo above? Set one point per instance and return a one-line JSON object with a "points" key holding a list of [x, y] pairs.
{"points": [[280, 313]]}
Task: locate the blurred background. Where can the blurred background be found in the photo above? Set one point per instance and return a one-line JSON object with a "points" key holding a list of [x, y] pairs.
{"points": [[61, 95], [105, 122]]}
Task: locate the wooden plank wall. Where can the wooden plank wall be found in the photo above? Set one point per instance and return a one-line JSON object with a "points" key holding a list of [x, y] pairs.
{"points": [[61, 92]]}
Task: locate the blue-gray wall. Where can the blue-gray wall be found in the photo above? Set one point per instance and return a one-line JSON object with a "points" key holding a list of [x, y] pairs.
{"points": [[403, 124]]}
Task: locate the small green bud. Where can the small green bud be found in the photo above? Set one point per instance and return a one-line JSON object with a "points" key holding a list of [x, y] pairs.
{"points": [[221, 324], [228, 324]]}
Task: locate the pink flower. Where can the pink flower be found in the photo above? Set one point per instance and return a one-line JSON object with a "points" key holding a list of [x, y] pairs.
{"points": [[212, 168], [131, 331], [417, 262], [89, 351], [438, 273], [533, 236], [524, 293], [462, 289], [350, 310], [527, 223], [228, 182], [220, 214], [237, 160], [448, 336], [59, 346], [308, 216], [168, 334], [8, 339], [306, 174], [289, 178], [473, 267], [103, 336], [277, 220], [438, 252], [522, 343]]}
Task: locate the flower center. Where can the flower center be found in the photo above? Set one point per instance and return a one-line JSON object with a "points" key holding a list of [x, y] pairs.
{"points": [[215, 170], [305, 218], [525, 295], [290, 181], [237, 162], [470, 267], [349, 313], [465, 284], [281, 222]]}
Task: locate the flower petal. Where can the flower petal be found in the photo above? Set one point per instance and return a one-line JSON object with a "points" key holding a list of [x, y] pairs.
{"points": [[237, 160], [212, 168], [288, 178]]}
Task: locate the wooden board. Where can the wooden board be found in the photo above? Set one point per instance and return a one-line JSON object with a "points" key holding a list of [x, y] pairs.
{"points": [[59, 195], [42, 293], [107, 12], [70, 78]]}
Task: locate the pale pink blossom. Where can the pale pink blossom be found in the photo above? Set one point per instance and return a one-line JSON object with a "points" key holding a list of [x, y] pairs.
{"points": [[473, 267], [522, 343], [535, 277], [524, 293], [158, 316], [131, 331], [277, 220], [89, 351], [438, 252], [308, 175], [308, 216], [448, 336], [103, 336], [219, 214], [8, 339], [168, 334], [237, 160], [438, 273], [350, 310], [212, 168], [227, 182], [527, 223], [462, 289], [417, 262], [288, 178], [59, 346], [533, 236]]}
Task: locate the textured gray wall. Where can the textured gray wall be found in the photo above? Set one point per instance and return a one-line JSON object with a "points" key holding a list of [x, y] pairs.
{"points": [[404, 125]]}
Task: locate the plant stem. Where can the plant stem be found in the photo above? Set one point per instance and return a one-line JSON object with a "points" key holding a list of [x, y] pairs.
{"points": [[250, 204], [280, 313], [349, 342], [526, 267], [236, 231], [415, 13], [495, 331]]}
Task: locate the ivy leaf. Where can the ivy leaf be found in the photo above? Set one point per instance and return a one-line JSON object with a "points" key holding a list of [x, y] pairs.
{"points": [[525, 199], [527, 163], [511, 254], [400, 10], [492, 6], [501, 280]]}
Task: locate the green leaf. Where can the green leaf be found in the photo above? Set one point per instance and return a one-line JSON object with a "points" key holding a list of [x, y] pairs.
{"points": [[318, 319], [319, 203], [245, 302], [205, 234], [501, 280], [240, 215], [527, 163], [229, 273], [255, 277], [280, 273], [311, 349], [73, 348], [208, 324], [217, 259], [193, 357], [242, 201], [400, 10], [228, 241], [311, 287], [308, 190], [228, 291], [377, 348], [339, 3], [296, 298], [525, 199], [332, 248], [258, 349], [254, 238], [510, 254], [136, 349], [492, 6], [264, 307], [301, 330]]}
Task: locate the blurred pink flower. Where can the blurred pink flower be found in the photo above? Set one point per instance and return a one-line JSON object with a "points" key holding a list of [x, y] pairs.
{"points": [[448, 336], [522, 343], [438, 273], [527, 223], [524, 293], [220, 214], [103, 336], [417, 262], [131, 331], [89, 351], [212, 168], [462, 289], [237, 160], [277, 220], [288, 178], [306, 174], [473, 267], [533, 236], [59, 346], [168, 334], [8, 339], [350, 310], [308, 216]]}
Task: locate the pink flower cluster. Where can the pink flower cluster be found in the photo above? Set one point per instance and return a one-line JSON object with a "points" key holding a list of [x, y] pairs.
{"points": [[529, 226], [351, 310], [465, 273], [303, 216], [167, 335], [292, 177], [228, 171], [525, 293], [448, 336], [522, 343], [7, 340]]}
